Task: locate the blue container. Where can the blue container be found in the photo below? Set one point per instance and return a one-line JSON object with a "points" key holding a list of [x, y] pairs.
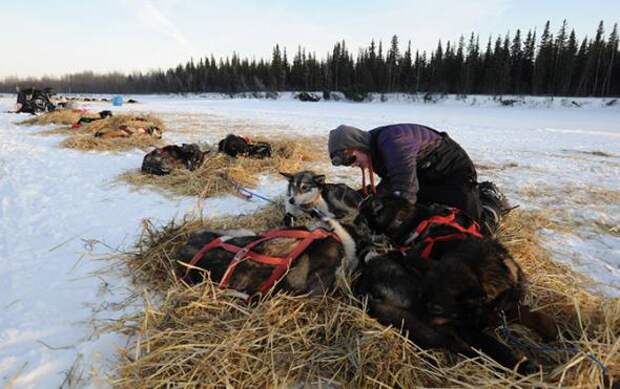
{"points": [[117, 101]]}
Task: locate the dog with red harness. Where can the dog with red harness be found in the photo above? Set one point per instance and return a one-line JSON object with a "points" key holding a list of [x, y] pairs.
{"points": [[297, 260], [447, 282]]}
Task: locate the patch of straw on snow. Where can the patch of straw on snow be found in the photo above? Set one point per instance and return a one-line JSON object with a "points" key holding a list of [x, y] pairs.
{"points": [[130, 120], [83, 138], [202, 337], [576, 194], [90, 143], [61, 116], [219, 172]]}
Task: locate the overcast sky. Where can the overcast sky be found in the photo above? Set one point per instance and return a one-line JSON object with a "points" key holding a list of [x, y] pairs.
{"points": [[52, 37]]}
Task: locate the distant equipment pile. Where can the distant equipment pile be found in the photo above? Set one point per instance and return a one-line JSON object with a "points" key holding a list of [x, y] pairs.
{"points": [[32, 100]]}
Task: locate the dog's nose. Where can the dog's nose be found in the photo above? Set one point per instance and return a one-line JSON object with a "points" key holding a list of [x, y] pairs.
{"points": [[291, 201]]}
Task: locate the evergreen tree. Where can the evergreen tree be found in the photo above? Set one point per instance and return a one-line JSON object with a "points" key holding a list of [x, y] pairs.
{"points": [[610, 59], [543, 66]]}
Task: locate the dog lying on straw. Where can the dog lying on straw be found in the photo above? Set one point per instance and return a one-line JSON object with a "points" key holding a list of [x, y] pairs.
{"points": [[296, 260], [163, 160], [234, 146], [445, 292], [125, 132], [308, 191]]}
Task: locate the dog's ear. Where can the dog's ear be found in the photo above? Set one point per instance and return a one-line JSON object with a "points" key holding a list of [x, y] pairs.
{"points": [[319, 179], [287, 176]]}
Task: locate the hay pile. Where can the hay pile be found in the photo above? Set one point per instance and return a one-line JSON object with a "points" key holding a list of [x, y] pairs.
{"points": [[61, 116], [219, 172], [84, 139], [201, 337], [90, 143], [116, 121]]}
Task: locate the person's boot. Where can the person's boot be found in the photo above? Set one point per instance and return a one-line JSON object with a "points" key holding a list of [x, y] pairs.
{"points": [[495, 205], [490, 195]]}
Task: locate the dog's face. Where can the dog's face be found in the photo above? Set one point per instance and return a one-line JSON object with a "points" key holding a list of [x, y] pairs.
{"points": [[154, 132], [304, 188], [386, 214], [452, 291], [192, 155]]}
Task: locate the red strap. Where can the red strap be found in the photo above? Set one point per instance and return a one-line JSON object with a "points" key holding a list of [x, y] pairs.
{"points": [[209, 246], [450, 220], [245, 253], [371, 173], [430, 242]]}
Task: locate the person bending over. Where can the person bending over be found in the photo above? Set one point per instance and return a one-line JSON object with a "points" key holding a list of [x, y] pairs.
{"points": [[414, 161]]}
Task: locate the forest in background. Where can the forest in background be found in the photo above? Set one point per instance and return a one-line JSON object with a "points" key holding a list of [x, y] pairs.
{"points": [[550, 64]]}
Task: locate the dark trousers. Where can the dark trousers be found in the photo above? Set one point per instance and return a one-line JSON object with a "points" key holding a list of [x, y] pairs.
{"points": [[448, 176]]}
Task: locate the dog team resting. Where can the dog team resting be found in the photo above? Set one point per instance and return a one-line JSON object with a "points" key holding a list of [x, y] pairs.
{"points": [[445, 280]]}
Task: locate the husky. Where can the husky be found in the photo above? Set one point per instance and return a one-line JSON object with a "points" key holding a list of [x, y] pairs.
{"points": [[308, 193], [331, 252], [162, 161], [234, 146], [461, 286]]}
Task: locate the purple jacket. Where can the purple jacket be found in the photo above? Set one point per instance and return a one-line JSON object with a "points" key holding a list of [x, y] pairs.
{"points": [[396, 150]]}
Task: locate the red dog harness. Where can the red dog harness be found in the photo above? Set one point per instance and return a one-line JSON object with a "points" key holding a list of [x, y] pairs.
{"points": [[448, 220], [245, 253]]}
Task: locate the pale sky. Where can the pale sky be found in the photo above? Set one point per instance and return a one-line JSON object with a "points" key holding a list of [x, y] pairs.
{"points": [[52, 37]]}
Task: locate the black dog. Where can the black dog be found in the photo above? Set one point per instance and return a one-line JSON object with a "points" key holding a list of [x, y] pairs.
{"points": [[412, 227], [459, 287], [395, 286], [322, 256], [162, 161], [234, 146]]}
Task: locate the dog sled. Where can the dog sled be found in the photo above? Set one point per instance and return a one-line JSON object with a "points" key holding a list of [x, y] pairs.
{"points": [[32, 100]]}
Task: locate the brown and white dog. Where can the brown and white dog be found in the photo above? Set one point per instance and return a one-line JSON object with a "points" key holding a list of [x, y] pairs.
{"points": [[448, 298], [125, 132], [247, 265], [308, 192], [162, 161]]}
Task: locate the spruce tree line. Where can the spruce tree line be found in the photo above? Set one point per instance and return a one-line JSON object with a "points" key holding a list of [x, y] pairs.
{"points": [[519, 64]]}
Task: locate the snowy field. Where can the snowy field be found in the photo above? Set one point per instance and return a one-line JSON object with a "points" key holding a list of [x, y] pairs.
{"points": [[60, 209]]}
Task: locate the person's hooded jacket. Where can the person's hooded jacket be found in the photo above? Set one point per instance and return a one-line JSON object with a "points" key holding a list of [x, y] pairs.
{"points": [[395, 151]]}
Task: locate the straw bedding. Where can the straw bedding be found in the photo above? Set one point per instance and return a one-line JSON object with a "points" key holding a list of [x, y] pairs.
{"points": [[129, 120], [89, 143], [202, 337], [219, 172], [61, 116], [83, 138]]}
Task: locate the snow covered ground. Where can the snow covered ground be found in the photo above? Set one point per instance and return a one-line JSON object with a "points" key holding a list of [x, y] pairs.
{"points": [[60, 208]]}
